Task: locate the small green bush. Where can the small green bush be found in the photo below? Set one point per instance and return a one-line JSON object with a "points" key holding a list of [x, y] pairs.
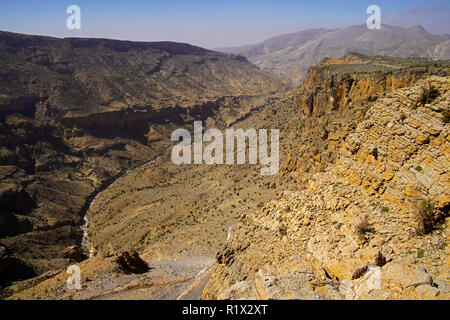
{"points": [[429, 94], [420, 253]]}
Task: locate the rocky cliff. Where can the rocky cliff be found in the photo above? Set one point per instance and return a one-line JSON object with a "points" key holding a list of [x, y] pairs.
{"points": [[369, 218]]}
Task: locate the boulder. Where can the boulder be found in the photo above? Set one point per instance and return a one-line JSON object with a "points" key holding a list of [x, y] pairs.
{"points": [[401, 275], [130, 262], [397, 280], [346, 269]]}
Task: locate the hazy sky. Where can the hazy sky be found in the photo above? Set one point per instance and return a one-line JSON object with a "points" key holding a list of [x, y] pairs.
{"points": [[212, 23]]}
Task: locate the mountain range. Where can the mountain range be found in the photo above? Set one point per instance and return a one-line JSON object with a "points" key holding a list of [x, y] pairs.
{"points": [[290, 55]]}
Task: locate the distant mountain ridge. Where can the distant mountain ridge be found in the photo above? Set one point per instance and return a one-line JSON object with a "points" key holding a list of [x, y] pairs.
{"points": [[290, 55], [94, 75]]}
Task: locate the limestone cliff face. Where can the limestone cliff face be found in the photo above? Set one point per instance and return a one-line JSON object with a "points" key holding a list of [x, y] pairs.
{"points": [[370, 217], [326, 92], [355, 80], [401, 150], [335, 97]]}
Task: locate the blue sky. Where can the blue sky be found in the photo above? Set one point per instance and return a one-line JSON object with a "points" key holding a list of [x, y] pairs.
{"points": [[212, 23]]}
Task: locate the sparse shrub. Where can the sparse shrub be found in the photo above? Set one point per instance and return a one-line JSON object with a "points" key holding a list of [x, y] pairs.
{"points": [[418, 168], [362, 226], [337, 184], [429, 94], [282, 229], [402, 116], [375, 204], [420, 253], [385, 209], [426, 216]]}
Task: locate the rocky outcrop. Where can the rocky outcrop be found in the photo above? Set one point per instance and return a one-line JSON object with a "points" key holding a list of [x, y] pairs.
{"points": [[130, 262], [353, 81], [306, 245], [334, 100], [401, 150]]}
